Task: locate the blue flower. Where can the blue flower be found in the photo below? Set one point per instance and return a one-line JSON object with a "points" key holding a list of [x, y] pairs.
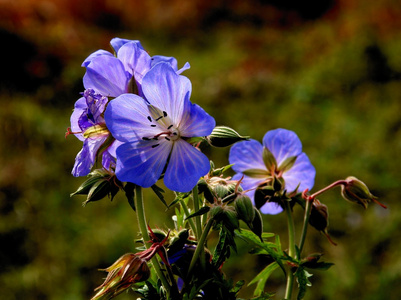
{"points": [[88, 125], [154, 131], [289, 163], [112, 75]]}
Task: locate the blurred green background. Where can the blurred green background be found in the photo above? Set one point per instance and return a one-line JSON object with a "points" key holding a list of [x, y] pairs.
{"points": [[330, 70]]}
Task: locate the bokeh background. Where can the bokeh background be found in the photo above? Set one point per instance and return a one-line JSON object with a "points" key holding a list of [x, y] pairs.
{"points": [[328, 69]]}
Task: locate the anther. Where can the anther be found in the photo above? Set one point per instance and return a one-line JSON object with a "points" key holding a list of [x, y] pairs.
{"points": [[146, 139], [164, 114], [155, 145], [153, 125], [170, 126], [167, 138], [150, 119]]}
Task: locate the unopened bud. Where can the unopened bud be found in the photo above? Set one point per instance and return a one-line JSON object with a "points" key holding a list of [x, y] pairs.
{"points": [[223, 136], [245, 209], [101, 183], [319, 218], [356, 191], [230, 218]]}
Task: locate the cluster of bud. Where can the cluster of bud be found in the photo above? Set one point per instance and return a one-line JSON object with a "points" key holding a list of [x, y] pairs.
{"points": [[101, 183]]}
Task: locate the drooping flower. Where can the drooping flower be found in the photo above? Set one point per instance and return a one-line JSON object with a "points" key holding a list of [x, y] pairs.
{"points": [[280, 157], [112, 75], [89, 126], [154, 132]]}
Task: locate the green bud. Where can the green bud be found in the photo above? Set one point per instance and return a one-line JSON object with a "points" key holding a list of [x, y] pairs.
{"points": [[257, 224], [245, 209], [215, 212], [230, 218], [356, 191], [223, 136], [100, 184]]}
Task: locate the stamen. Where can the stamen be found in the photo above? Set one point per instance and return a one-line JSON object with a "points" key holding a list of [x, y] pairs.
{"points": [[155, 145], [146, 139], [153, 125], [159, 118], [170, 126], [164, 114], [150, 119], [70, 132], [167, 138]]}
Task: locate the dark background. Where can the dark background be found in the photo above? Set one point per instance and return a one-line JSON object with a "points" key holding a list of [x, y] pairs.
{"points": [[329, 70]]}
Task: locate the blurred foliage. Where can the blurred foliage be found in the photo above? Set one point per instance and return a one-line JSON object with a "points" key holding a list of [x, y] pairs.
{"points": [[329, 70]]}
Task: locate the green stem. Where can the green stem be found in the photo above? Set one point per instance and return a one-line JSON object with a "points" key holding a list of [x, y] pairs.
{"points": [[186, 212], [201, 245], [291, 249], [140, 212], [196, 208], [308, 208]]}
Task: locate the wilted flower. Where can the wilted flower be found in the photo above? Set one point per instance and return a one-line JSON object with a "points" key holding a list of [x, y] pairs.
{"points": [[154, 130], [126, 271], [112, 75], [89, 126], [279, 160], [354, 190]]}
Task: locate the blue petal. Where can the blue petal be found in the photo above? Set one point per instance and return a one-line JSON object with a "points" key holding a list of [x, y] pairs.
{"points": [[195, 121], [160, 58], [185, 67], [141, 164], [302, 172], [117, 43], [187, 164], [95, 54], [136, 60], [107, 76], [247, 155], [79, 108], [166, 90], [127, 118], [282, 143], [271, 208], [86, 157]]}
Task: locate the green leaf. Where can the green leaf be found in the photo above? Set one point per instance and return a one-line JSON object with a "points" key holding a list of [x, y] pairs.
{"points": [[129, 189], [159, 193], [303, 281], [272, 249], [262, 277], [203, 210]]}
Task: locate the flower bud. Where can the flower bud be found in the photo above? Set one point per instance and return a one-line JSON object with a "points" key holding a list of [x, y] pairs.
{"points": [[356, 191], [245, 209], [101, 183], [230, 218], [257, 224], [223, 136], [319, 218]]}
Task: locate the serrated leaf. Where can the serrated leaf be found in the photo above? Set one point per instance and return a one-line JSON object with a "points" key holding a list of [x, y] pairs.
{"points": [[303, 281], [262, 277]]}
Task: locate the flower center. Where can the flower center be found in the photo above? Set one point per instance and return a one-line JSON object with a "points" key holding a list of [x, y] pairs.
{"points": [[159, 118]]}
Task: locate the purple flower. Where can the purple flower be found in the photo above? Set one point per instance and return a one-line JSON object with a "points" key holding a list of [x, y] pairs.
{"points": [[280, 156], [88, 125], [154, 131], [112, 75]]}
